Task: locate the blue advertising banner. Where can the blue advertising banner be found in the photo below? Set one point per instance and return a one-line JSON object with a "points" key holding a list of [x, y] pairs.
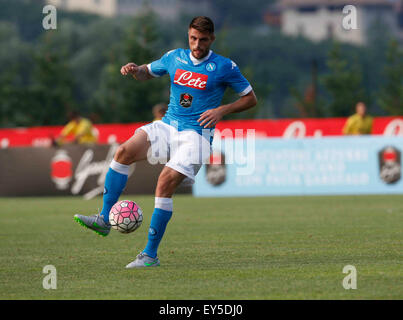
{"points": [[308, 166]]}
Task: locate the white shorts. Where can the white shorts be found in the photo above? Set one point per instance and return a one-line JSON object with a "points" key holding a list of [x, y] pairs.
{"points": [[184, 151]]}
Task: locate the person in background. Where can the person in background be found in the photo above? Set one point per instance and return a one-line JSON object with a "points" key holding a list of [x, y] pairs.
{"points": [[80, 128], [360, 122], [159, 111]]}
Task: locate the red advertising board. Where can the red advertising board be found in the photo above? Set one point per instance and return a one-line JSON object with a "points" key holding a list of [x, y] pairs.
{"points": [[287, 128]]}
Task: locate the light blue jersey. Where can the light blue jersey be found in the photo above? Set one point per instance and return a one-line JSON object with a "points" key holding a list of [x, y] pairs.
{"points": [[196, 85]]}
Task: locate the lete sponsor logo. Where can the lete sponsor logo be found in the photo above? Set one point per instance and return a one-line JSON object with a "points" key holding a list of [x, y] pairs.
{"points": [[297, 129], [394, 128], [190, 79]]}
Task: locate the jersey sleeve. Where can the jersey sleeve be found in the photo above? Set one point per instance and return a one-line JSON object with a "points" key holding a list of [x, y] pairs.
{"points": [[234, 79], [159, 67]]}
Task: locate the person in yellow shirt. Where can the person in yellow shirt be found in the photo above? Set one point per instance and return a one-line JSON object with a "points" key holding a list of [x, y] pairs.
{"points": [[360, 122], [80, 128]]}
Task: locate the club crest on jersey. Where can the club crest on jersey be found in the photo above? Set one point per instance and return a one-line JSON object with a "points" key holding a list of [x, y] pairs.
{"points": [[210, 66], [190, 79], [186, 100]]}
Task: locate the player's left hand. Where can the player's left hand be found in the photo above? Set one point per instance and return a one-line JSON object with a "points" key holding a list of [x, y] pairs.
{"points": [[209, 118]]}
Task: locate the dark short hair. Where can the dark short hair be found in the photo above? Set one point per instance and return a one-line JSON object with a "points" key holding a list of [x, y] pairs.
{"points": [[160, 107], [202, 24], [73, 114]]}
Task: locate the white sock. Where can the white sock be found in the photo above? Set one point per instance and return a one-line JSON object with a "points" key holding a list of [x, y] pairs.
{"points": [[121, 168], [164, 204]]}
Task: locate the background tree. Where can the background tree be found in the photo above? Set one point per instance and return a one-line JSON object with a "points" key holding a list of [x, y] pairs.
{"points": [[242, 12], [122, 98], [343, 83], [14, 75], [90, 50], [391, 94], [51, 85]]}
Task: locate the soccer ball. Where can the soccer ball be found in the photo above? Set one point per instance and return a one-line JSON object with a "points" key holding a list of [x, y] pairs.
{"points": [[125, 216]]}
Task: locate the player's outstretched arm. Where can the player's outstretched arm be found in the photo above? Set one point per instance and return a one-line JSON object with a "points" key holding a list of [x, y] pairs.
{"points": [[139, 73], [209, 118]]}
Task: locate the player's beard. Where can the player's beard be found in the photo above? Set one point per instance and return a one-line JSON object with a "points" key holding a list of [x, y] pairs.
{"points": [[200, 53]]}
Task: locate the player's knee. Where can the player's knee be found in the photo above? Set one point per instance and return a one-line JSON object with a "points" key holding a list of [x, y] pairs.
{"points": [[123, 156]]}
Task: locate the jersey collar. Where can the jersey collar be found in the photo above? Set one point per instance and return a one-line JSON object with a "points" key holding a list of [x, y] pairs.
{"points": [[199, 61]]}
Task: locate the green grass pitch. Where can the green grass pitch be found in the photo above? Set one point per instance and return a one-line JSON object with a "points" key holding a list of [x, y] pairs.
{"points": [[214, 248]]}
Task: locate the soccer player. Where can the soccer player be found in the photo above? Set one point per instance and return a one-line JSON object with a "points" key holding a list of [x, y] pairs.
{"points": [[199, 78]]}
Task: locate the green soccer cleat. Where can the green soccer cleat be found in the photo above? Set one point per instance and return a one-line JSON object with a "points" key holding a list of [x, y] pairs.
{"points": [[95, 222], [143, 260]]}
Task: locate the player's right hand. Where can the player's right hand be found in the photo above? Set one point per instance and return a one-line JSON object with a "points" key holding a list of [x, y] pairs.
{"points": [[129, 68]]}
